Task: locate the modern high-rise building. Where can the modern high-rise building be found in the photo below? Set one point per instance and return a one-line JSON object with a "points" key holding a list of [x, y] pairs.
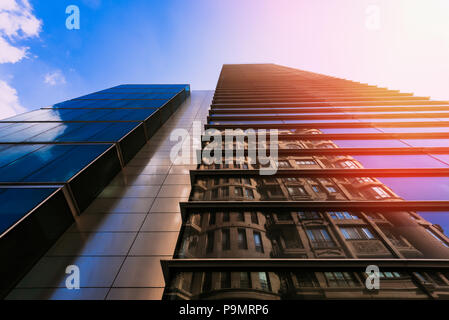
{"points": [[53, 163], [361, 179], [359, 170]]}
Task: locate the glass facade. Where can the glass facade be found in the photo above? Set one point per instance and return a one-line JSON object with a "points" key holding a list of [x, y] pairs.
{"points": [[54, 161], [362, 179]]}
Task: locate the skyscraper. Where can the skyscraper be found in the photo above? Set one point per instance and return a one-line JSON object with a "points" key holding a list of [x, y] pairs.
{"points": [[360, 169], [360, 183]]}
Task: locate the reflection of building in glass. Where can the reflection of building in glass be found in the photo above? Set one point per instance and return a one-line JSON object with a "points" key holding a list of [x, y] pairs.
{"points": [[332, 208]]}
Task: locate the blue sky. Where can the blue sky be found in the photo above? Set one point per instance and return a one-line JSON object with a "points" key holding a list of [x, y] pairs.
{"points": [[142, 41]]}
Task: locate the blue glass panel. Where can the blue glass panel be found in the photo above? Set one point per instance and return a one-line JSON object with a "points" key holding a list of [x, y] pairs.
{"points": [[152, 86], [398, 161], [384, 143], [419, 188], [93, 132], [86, 115], [10, 153], [130, 96], [50, 163], [19, 132], [141, 90], [111, 104], [17, 202]]}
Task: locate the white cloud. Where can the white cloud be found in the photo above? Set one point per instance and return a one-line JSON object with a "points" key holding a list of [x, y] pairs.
{"points": [[9, 53], [9, 102], [17, 22], [54, 78]]}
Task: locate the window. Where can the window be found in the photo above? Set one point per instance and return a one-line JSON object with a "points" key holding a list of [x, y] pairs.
{"points": [[342, 215], [242, 239], [224, 192], [220, 192], [216, 181], [249, 193], [305, 162], [396, 240], [185, 282], [308, 215], [240, 216], [331, 189], [348, 164], [211, 218], [207, 282], [316, 188], [357, 233], [264, 281], [198, 193], [210, 241], [291, 238], [437, 237], [284, 216], [196, 218], [319, 238], [245, 280], [225, 280], [254, 217], [340, 279], [258, 242], [269, 180], [326, 146], [297, 191], [389, 275], [293, 146], [226, 239], [226, 216], [373, 215], [364, 179], [284, 164], [238, 191], [274, 191], [306, 279], [436, 278], [291, 179], [246, 181], [380, 193], [202, 220]]}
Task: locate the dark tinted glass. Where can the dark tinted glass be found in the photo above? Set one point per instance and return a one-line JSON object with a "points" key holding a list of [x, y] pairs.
{"points": [[48, 163], [17, 202]]}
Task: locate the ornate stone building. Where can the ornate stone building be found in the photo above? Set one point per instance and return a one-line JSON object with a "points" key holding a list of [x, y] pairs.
{"points": [[354, 171]]}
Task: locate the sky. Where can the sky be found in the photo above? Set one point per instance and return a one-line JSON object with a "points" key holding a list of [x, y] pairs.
{"points": [[400, 44]]}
